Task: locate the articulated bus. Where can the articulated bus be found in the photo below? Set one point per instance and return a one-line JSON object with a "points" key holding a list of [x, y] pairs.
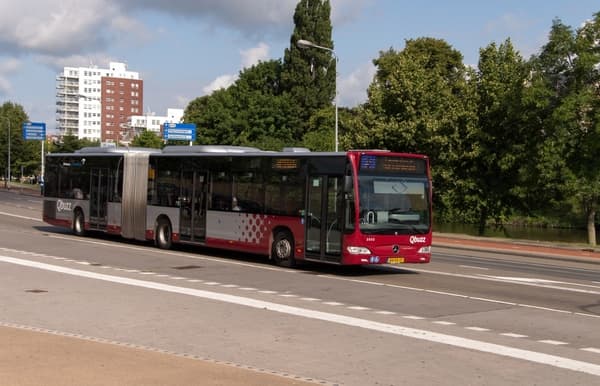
{"points": [[348, 208]]}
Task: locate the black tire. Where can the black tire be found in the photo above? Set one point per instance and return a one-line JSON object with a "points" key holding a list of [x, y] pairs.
{"points": [[163, 238], [282, 250], [78, 223]]}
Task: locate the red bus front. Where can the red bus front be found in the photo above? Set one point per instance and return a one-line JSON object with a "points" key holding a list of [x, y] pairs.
{"points": [[391, 217]]}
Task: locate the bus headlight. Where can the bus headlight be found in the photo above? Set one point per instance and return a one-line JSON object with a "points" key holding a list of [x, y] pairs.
{"points": [[358, 250], [426, 249]]}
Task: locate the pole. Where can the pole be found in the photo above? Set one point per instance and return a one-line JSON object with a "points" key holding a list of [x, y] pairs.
{"points": [[335, 101], [42, 173], [6, 185], [308, 44]]}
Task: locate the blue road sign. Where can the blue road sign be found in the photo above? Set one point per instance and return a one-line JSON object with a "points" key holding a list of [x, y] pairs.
{"points": [[34, 131], [180, 131]]}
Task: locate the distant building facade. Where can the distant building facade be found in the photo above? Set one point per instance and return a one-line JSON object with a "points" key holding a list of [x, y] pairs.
{"points": [[154, 123], [96, 103]]}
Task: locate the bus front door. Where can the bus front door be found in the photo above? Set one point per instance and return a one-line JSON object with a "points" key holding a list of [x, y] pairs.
{"points": [[323, 218], [193, 206], [99, 190]]}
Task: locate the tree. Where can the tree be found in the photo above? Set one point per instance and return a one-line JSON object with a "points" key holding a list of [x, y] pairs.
{"points": [[12, 117], [502, 137], [309, 75], [251, 112], [149, 139], [568, 68], [420, 101], [69, 143]]}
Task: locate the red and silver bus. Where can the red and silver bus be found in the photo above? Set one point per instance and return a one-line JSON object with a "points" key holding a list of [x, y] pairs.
{"points": [[354, 207]]}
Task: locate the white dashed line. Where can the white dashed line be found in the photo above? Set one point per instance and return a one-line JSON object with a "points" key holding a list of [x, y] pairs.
{"points": [[552, 342], [592, 349], [444, 323], [479, 329], [333, 303], [513, 335], [385, 312]]}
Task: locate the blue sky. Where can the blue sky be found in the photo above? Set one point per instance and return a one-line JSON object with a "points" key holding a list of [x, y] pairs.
{"points": [[186, 48]]}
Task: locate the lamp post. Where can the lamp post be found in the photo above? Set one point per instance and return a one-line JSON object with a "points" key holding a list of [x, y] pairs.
{"points": [[8, 138], [308, 44]]}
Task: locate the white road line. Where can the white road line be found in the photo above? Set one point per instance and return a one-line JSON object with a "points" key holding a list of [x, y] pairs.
{"points": [[552, 342], [592, 349], [430, 336], [444, 323], [479, 329], [513, 335], [23, 217], [473, 267]]}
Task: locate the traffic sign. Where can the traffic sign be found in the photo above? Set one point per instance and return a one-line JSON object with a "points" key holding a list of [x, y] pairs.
{"points": [[34, 131], [180, 131]]}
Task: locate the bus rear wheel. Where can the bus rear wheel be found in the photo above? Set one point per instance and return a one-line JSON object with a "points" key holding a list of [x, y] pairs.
{"points": [[282, 250], [79, 223], [163, 238]]}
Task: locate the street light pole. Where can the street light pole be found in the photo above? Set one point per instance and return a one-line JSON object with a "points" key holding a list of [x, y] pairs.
{"points": [[308, 44], [8, 171]]}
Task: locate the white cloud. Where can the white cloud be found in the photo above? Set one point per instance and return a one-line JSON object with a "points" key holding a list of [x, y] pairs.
{"points": [[352, 90], [7, 67], [254, 55], [249, 58], [53, 27], [222, 81]]}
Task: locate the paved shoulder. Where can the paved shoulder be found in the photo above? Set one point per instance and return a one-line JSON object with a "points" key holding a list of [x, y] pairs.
{"points": [[544, 249], [29, 358]]}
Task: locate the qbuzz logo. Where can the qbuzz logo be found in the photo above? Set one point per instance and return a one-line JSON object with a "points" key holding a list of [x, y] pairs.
{"points": [[417, 239], [63, 206]]}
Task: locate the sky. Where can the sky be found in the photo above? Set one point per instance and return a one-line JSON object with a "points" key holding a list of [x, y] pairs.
{"points": [[184, 49]]}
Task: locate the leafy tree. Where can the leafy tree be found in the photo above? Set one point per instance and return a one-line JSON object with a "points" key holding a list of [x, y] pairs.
{"points": [[502, 137], [147, 138], [309, 75], [420, 101], [69, 143], [22, 153], [568, 69], [252, 112]]}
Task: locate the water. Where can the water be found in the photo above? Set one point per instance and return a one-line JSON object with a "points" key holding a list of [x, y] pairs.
{"points": [[520, 232]]}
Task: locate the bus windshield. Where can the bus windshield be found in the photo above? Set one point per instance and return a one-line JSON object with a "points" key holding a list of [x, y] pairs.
{"points": [[393, 205]]}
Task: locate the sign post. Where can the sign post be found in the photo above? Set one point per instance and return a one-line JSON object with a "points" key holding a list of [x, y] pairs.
{"points": [[36, 131]]}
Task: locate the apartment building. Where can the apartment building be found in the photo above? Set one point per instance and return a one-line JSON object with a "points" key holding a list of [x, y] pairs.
{"points": [[96, 103]]}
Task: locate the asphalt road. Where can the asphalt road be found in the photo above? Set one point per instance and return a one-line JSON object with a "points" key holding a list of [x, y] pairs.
{"points": [[101, 310]]}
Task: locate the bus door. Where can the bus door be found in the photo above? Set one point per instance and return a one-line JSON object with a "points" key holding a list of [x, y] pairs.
{"points": [[192, 199], [323, 218], [99, 191]]}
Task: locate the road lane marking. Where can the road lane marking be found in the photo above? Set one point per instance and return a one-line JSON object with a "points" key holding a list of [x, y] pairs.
{"points": [[430, 336], [22, 217], [553, 342], [513, 335]]}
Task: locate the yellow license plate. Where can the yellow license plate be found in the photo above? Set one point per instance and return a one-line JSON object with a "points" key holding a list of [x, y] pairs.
{"points": [[395, 260]]}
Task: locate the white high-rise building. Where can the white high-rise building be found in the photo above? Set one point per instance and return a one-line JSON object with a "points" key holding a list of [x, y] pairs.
{"points": [[79, 104]]}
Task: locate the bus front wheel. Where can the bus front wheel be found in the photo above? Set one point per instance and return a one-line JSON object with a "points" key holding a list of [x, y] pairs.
{"points": [[79, 223], [282, 250], [163, 234]]}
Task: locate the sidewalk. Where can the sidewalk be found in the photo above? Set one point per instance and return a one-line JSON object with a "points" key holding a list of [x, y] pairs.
{"points": [[30, 357]]}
